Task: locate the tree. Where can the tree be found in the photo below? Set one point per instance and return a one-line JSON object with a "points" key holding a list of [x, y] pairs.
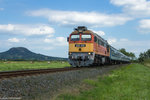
{"points": [[123, 51], [148, 53], [132, 55], [129, 54], [145, 55], [141, 57]]}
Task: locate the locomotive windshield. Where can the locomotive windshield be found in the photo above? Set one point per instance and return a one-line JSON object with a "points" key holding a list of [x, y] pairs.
{"points": [[86, 37], [75, 37]]}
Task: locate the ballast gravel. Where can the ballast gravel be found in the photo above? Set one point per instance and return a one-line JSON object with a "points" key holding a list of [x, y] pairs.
{"points": [[32, 87]]}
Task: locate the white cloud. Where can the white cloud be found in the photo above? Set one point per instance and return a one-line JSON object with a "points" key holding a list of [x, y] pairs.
{"points": [[13, 40], [101, 33], [112, 40], [49, 36], [124, 39], [136, 8], [144, 26], [127, 2], [49, 40], [16, 40], [58, 41], [27, 29], [48, 48], [93, 19], [61, 39], [1, 9]]}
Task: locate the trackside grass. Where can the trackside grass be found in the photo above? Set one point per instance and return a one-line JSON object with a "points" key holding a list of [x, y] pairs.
{"points": [[128, 83], [23, 65]]}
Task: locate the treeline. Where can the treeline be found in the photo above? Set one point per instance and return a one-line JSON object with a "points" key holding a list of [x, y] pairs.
{"points": [[129, 54], [145, 55]]}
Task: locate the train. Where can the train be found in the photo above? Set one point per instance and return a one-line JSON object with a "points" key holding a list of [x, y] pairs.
{"points": [[86, 48]]}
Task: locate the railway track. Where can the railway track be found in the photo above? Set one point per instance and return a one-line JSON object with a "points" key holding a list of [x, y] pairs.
{"points": [[9, 74]]}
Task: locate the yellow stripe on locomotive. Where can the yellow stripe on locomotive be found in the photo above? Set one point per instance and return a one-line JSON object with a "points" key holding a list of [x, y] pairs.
{"points": [[81, 47]]}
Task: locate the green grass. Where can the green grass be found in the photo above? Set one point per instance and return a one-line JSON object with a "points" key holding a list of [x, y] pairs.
{"points": [[128, 83], [22, 65]]}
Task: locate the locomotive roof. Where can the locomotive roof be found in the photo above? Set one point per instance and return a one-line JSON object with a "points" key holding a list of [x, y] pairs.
{"points": [[89, 32], [100, 38]]}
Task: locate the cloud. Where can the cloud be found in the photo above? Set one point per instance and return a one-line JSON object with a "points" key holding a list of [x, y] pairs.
{"points": [[93, 19], [101, 33], [28, 30], [124, 39], [58, 41], [46, 40], [1, 9], [48, 48], [49, 36], [15, 40], [136, 8], [112, 40], [144, 26]]}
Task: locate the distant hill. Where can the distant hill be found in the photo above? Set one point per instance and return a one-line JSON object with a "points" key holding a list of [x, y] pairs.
{"points": [[21, 53]]}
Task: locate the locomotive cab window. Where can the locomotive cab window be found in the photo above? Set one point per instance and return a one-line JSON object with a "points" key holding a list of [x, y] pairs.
{"points": [[86, 37], [95, 39], [75, 37], [107, 48]]}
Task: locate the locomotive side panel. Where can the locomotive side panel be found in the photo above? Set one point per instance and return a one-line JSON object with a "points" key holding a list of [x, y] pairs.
{"points": [[101, 50]]}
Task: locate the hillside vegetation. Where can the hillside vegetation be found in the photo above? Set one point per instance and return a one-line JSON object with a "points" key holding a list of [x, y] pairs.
{"points": [[128, 83], [21, 53]]}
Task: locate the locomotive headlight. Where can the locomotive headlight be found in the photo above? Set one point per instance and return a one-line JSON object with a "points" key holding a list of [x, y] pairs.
{"points": [[90, 53]]}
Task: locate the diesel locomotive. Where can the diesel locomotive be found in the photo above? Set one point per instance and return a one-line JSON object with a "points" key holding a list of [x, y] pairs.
{"points": [[87, 48]]}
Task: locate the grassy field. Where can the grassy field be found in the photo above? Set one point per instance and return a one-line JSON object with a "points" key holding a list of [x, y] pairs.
{"points": [[128, 83], [22, 65]]}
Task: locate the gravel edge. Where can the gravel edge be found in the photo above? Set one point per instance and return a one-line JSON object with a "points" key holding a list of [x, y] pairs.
{"points": [[46, 85]]}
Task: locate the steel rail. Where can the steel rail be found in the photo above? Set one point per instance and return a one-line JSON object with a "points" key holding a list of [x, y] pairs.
{"points": [[8, 74]]}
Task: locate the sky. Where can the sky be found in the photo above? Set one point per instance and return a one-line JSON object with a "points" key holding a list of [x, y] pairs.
{"points": [[43, 26]]}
